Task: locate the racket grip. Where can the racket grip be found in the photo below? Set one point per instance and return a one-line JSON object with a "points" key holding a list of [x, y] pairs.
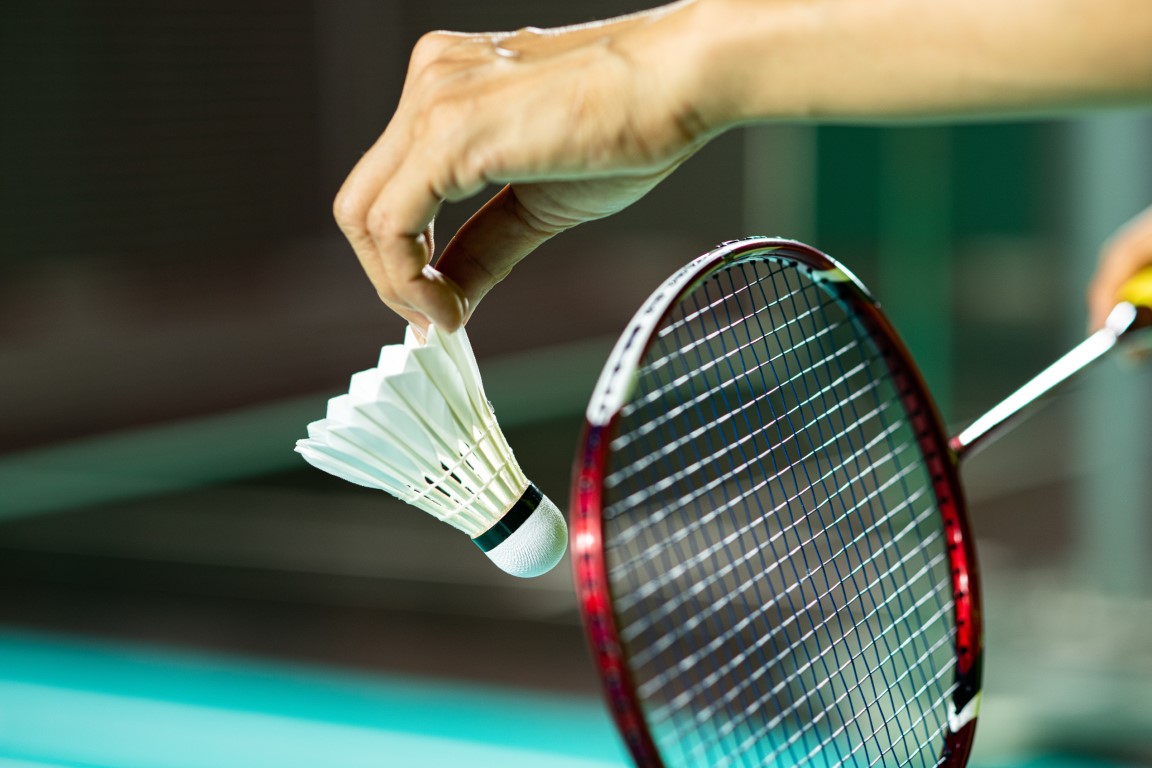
{"points": [[1137, 289]]}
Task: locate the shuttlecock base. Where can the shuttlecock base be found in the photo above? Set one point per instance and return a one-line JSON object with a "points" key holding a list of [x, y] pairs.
{"points": [[530, 539]]}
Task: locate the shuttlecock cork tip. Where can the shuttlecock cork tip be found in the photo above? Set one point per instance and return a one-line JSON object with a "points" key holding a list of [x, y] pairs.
{"points": [[530, 539]]}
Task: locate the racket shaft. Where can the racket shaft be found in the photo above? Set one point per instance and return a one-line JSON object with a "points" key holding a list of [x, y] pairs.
{"points": [[1024, 400]]}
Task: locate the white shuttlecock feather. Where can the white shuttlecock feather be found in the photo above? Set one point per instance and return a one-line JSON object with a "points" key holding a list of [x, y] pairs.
{"points": [[420, 427]]}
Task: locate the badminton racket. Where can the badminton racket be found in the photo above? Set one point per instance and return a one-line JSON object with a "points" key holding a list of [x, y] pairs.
{"points": [[772, 554]]}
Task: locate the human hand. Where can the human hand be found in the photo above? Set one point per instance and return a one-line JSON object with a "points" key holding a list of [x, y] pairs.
{"points": [[577, 122], [1129, 250]]}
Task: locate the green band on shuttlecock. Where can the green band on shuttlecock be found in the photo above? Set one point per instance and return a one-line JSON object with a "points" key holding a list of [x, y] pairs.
{"points": [[512, 520]]}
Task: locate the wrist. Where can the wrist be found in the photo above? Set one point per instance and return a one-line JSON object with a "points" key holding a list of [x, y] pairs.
{"points": [[675, 49], [715, 64], [749, 61]]}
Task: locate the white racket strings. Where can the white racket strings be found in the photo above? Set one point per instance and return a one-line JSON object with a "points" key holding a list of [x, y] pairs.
{"points": [[777, 559]]}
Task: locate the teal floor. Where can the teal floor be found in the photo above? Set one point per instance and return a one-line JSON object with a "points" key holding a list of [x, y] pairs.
{"points": [[75, 704], [67, 702]]}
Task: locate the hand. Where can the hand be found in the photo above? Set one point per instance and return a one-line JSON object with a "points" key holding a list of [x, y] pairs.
{"points": [[577, 122], [1125, 254]]}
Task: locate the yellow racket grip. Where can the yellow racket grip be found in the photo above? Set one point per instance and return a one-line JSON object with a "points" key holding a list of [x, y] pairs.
{"points": [[1137, 289]]}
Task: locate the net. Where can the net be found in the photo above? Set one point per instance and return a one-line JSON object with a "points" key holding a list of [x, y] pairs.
{"points": [[773, 544]]}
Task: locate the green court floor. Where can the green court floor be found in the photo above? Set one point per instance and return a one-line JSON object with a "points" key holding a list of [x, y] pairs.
{"points": [[87, 704]]}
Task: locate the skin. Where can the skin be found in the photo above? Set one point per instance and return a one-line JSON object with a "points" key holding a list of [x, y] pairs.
{"points": [[1125, 254], [577, 123]]}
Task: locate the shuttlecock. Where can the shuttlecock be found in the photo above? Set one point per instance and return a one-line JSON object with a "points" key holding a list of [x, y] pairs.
{"points": [[420, 427]]}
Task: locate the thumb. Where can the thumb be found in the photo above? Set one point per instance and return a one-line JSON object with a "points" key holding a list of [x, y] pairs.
{"points": [[492, 242]]}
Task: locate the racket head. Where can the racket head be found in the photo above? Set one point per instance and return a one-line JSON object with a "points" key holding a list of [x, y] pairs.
{"points": [[709, 577]]}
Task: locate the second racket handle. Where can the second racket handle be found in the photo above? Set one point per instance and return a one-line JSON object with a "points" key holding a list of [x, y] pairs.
{"points": [[1124, 318]]}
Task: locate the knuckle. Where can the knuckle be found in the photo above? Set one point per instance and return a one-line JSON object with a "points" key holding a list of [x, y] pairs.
{"points": [[474, 159], [378, 221], [442, 112], [461, 172], [347, 211], [475, 165], [439, 119], [429, 47], [528, 33], [433, 76]]}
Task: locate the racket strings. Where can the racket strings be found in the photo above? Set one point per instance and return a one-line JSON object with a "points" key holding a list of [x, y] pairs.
{"points": [[647, 654], [764, 451], [797, 735], [908, 730], [900, 477], [840, 580], [701, 309], [658, 515], [645, 590], [787, 278], [658, 394], [739, 411], [805, 668], [712, 709], [785, 437]]}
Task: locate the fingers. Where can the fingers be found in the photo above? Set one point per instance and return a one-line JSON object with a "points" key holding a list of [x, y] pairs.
{"points": [[493, 241], [390, 232], [438, 147], [544, 109], [388, 202], [1122, 257], [394, 253], [521, 217]]}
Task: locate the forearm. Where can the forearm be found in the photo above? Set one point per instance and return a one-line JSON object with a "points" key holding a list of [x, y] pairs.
{"points": [[582, 121], [915, 59]]}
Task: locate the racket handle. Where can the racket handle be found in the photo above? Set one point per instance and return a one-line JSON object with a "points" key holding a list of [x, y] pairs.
{"points": [[1132, 313]]}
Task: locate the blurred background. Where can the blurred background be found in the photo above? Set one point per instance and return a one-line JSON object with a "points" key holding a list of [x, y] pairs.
{"points": [[178, 588]]}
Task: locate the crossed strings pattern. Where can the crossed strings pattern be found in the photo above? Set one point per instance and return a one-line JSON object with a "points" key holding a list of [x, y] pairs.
{"points": [[775, 552]]}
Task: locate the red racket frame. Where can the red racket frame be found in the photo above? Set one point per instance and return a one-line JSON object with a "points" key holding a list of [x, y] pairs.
{"points": [[588, 559]]}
